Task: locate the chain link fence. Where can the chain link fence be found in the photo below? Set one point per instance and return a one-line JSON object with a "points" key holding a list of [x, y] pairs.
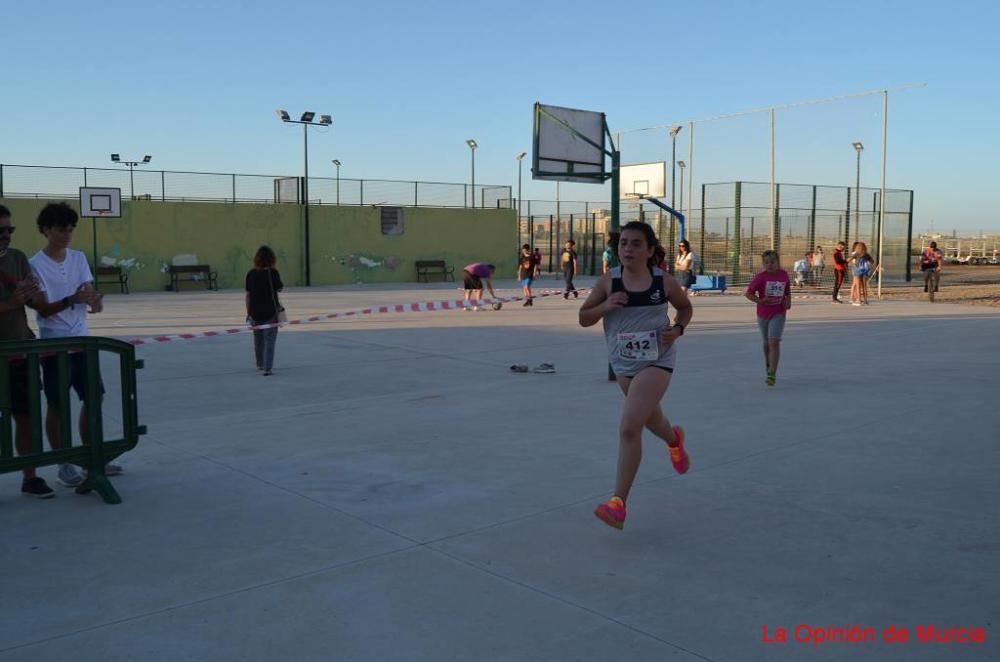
{"points": [[28, 181], [732, 227]]}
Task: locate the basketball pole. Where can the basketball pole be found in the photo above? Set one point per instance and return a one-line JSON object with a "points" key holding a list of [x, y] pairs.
{"points": [[616, 162], [93, 224]]}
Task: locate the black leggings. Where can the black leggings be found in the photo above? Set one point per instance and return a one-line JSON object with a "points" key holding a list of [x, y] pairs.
{"points": [[568, 273], [839, 280]]}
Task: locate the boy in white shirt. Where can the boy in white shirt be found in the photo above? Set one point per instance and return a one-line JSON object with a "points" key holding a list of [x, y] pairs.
{"points": [[67, 290]]}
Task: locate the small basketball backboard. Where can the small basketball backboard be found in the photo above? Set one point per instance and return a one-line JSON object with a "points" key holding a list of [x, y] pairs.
{"points": [[643, 180], [568, 145], [100, 202]]}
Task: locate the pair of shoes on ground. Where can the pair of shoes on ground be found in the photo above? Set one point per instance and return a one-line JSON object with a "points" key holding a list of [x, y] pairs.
{"points": [[530, 301], [70, 475], [541, 368], [613, 513], [772, 377], [576, 295]]}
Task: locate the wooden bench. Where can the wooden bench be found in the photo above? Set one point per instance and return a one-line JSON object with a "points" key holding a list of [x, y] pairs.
{"points": [[428, 268], [113, 275], [194, 273]]}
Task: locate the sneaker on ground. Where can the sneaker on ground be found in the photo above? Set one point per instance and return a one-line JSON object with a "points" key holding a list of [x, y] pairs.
{"points": [[771, 378], [678, 455], [612, 513], [69, 476], [545, 368], [36, 487]]}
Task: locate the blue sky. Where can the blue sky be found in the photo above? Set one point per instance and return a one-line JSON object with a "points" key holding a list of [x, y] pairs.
{"points": [[196, 85]]}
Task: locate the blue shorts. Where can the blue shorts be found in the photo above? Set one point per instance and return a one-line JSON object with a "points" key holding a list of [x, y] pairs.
{"points": [[771, 328], [77, 377], [526, 282]]}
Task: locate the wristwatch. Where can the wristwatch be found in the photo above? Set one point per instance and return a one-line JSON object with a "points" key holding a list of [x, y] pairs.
{"points": [[67, 303], [679, 326]]}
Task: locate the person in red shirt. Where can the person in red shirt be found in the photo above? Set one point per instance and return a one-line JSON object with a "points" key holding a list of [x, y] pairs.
{"points": [[839, 269]]}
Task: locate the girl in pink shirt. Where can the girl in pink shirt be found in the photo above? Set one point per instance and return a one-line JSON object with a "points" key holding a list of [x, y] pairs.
{"points": [[771, 291]]}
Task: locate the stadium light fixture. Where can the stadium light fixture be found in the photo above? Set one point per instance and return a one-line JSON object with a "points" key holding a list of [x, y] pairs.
{"points": [[307, 116], [283, 115], [116, 158], [325, 120]]}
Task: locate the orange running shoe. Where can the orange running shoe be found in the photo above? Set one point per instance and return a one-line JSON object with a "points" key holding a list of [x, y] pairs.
{"points": [[678, 456], [612, 513]]}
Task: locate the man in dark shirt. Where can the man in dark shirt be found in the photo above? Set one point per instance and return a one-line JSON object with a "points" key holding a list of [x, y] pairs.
{"points": [[18, 287]]}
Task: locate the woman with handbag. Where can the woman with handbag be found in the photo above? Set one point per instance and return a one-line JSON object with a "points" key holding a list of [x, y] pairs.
{"points": [[263, 283]]}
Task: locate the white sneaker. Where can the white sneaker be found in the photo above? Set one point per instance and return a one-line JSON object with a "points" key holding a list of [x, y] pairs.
{"points": [[69, 475]]}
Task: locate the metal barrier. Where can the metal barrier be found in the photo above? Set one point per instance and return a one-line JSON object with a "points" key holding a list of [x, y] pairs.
{"points": [[97, 451]]}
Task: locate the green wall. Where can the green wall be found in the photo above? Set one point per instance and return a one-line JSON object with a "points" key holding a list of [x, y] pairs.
{"points": [[347, 245]]}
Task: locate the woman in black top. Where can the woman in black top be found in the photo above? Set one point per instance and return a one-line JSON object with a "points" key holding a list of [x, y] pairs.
{"points": [[263, 283]]}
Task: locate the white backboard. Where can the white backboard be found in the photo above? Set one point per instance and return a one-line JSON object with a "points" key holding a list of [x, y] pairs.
{"points": [[559, 154], [286, 189], [100, 202], [645, 179]]}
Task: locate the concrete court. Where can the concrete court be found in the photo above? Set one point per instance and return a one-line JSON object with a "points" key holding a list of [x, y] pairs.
{"points": [[393, 492]]}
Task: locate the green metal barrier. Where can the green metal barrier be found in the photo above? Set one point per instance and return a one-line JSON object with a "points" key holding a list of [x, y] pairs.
{"points": [[97, 451]]}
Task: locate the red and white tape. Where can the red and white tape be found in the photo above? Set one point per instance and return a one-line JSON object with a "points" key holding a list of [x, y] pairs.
{"points": [[420, 307]]}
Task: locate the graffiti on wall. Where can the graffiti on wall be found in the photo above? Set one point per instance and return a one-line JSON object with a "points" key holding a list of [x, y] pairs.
{"points": [[364, 264], [114, 258]]}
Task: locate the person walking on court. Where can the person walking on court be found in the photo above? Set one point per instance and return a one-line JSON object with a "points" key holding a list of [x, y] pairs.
{"points": [[262, 285], [474, 274], [17, 288], [568, 260], [526, 273], [631, 300], [839, 269], [931, 260], [67, 295], [771, 290]]}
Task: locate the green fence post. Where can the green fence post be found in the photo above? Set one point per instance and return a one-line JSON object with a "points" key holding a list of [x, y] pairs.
{"points": [[738, 248], [702, 248], [847, 219], [909, 241]]}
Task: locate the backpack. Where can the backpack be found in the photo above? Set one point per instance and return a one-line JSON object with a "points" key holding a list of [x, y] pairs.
{"points": [[864, 265]]}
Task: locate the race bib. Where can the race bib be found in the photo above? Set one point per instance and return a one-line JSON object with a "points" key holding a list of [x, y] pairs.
{"points": [[642, 346], [775, 288]]}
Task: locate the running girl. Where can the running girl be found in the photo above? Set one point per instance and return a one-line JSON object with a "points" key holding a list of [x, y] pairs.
{"points": [[632, 299]]}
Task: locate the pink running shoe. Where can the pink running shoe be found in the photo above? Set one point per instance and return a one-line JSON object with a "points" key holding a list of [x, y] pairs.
{"points": [[678, 456], [612, 513]]}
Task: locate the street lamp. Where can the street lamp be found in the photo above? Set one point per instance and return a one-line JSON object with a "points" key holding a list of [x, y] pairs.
{"points": [[306, 121], [520, 202], [858, 147], [673, 160], [116, 158], [336, 163], [681, 165], [472, 146]]}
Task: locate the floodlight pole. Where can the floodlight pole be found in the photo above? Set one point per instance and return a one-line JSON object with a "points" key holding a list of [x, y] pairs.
{"points": [[881, 206], [774, 221], [306, 122]]}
